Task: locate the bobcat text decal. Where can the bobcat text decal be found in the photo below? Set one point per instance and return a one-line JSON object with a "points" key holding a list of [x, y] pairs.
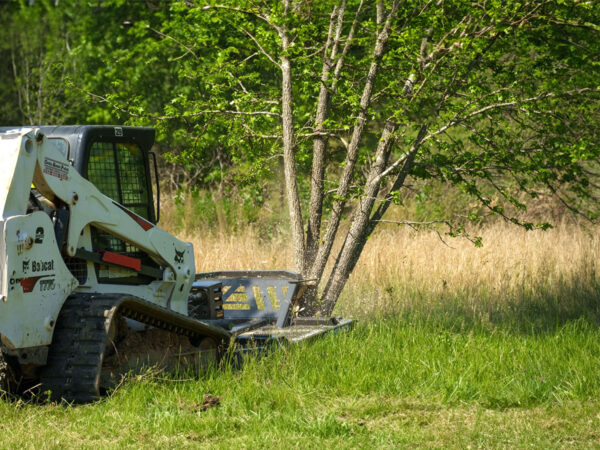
{"points": [[37, 266]]}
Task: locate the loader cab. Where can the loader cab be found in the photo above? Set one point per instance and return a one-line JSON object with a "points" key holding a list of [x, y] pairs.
{"points": [[116, 160]]}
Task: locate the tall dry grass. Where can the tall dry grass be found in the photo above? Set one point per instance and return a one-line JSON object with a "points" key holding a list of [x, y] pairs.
{"points": [[534, 275], [515, 273]]}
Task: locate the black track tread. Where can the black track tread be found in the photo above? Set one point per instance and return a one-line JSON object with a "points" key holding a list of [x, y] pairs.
{"points": [[77, 351], [74, 363]]}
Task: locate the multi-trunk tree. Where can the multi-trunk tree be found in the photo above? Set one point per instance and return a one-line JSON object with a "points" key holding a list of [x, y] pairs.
{"points": [[497, 98]]}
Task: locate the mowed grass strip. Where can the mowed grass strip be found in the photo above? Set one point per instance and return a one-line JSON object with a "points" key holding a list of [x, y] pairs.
{"points": [[398, 381]]}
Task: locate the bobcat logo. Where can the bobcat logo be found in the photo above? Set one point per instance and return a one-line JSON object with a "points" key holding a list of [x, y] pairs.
{"points": [[25, 265], [179, 256]]}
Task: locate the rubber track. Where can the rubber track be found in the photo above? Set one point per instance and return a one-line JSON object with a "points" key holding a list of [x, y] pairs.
{"points": [[75, 357]]}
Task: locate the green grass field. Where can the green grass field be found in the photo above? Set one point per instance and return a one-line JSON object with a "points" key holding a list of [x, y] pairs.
{"points": [[401, 381], [447, 352]]}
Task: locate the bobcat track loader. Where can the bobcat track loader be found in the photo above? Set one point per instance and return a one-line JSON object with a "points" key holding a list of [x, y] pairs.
{"points": [[91, 288]]}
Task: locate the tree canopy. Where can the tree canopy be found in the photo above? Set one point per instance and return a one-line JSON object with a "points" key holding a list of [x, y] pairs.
{"points": [[352, 100]]}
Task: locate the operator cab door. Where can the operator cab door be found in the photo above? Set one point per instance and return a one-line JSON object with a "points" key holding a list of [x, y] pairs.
{"points": [[120, 171]]}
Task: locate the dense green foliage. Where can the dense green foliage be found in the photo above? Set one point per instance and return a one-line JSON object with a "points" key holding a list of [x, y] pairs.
{"points": [[37, 50], [169, 63], [197, 72], [345, 106]]}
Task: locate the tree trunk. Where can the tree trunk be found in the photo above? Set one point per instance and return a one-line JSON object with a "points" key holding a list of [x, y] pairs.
{"points": [[324, 251], [313, 231], [362, 223], [289, 163]]}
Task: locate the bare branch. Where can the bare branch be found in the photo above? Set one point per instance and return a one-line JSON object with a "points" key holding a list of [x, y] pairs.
{"points": [[415, 146], [166, 36], [413, 223], [315, 212], [117, 107], [380, 10], [354, 241], [260, 47], [505, 105], [334, 13], [218, 111], [289, 163], [586, 25], [349, 39], [262, 17]]}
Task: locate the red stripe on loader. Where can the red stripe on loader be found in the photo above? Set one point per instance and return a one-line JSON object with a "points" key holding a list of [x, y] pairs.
{"points": [[122, 260], [141, 222]]}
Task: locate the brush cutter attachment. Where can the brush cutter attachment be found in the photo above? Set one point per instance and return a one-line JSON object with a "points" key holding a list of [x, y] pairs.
{"points": [[259, 306]]}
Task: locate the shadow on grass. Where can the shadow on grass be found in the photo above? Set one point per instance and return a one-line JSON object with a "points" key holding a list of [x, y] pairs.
{"points": [[544, 311], [539, 309]]}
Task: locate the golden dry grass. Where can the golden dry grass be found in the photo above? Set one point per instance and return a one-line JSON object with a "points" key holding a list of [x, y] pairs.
{"points": [[400, 267], [399, 264]]}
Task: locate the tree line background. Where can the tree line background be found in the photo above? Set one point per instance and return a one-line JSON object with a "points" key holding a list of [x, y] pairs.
{"points": [[333, 115]]}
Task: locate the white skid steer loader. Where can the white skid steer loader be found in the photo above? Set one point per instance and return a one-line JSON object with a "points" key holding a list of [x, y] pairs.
{"points": [[91, 288]]}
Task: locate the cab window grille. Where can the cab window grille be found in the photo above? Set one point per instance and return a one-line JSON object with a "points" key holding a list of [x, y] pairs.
{"points": [[132, 174], [119, 172], [78, 268], [102, 169], [103, 241]]}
